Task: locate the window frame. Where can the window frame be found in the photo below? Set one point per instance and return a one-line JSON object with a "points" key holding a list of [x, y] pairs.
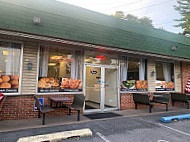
{"points": [[122, 92], [38, 67], [162, 61], [21, 65]]}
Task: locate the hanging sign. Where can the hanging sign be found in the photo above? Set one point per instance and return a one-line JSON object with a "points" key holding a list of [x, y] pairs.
{"points": [[101, 57]]}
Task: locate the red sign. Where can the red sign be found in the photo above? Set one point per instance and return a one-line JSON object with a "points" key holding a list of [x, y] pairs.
{"points": [[101, 57]]}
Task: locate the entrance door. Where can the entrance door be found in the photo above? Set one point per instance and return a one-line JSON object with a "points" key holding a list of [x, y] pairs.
{"points": [[101, 88], [111, 88]]}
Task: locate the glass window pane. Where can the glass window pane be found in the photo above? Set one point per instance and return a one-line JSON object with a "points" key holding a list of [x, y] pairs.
{"points": [[133, 69], [133, 74], [60, 70], [9, 67], [164, 76]]}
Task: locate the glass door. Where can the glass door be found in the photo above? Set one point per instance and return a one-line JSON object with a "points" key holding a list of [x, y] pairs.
{"points": [[93, 88], [111, 88], [101, 88]]}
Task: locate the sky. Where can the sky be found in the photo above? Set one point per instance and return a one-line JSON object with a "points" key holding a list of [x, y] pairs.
{"points": [[160, 11]]}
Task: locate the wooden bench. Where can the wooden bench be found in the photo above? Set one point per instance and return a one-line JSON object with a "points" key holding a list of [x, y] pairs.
{"points": [[180, 97], [42, 109], [142, 99], [77, 104], [162, 99]]}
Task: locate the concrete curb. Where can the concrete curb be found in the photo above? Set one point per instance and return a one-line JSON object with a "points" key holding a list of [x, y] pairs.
{"points": [[57, 136]]}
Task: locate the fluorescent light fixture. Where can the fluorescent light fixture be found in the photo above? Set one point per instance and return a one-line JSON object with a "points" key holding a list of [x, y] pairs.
{"points": [[69, 56], [51, 64], [5, 52], [6, 60]]}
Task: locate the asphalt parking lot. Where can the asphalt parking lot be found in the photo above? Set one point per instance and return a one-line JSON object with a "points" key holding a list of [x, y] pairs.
{"points": [[129, 129], [140, 129]]}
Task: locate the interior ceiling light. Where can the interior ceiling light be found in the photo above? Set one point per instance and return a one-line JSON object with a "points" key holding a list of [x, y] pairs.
{"points": [[69, 56], [56, 57], [51, 64], [5, 52]]}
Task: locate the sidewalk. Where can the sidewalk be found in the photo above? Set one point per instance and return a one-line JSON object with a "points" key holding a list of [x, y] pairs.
{"points": [[15, 125]]}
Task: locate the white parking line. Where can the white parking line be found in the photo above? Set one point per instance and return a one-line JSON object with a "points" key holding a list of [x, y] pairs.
{"points": [[184, 133], [162, 141], [102, 137]]}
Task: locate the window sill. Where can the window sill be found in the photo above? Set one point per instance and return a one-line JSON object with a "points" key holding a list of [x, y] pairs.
{"points": [[123, 92], [60, 93]]}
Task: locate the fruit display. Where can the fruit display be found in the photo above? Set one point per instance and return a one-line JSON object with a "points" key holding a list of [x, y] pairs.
{"points": [[141, 84], [134, 85], [9, 81], [129, 84]]}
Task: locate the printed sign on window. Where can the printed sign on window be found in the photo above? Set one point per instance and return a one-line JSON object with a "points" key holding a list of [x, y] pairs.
{"points": [[134, 85], [9, 83], [165, 86], [54, 84]]}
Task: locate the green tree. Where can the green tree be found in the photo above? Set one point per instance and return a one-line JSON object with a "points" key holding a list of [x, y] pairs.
{"points": [[184, 9], [146, 21], [118, 14], [133, 18]]}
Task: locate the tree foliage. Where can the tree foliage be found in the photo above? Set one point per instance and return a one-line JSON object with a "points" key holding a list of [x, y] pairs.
{"points": [[184, 9], [133, 18], [119, 14]]}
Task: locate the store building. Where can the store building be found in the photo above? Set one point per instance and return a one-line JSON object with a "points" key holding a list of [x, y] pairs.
{"points": [[50, 48]]}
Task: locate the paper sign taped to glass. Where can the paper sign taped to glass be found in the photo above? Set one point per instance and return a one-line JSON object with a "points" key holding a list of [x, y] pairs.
{"points": [[9, 83], [55, 84], [165, 86], [134, 85]]}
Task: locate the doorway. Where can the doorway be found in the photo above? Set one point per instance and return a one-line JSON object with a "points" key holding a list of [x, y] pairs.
{"points": [[101, 88]]}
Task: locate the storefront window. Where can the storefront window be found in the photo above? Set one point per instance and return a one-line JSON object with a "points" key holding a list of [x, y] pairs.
{"points": [[9, 67], [60, 70], [165, 76], [133, 74], [101, 58]]}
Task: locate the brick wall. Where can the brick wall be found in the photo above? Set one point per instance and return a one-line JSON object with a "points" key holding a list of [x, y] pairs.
{"points": [[22, 107], [126, 102], [185, 67]]}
